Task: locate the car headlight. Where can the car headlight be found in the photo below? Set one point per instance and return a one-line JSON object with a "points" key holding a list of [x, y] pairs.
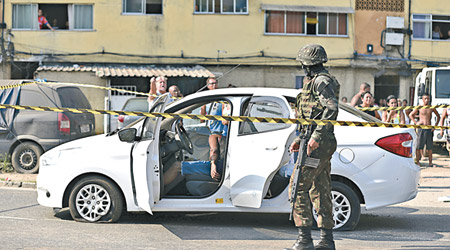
{"points": [[52, 157]]}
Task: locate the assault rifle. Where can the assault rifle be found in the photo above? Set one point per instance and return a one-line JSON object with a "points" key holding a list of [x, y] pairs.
{"points": [[303, 161]]}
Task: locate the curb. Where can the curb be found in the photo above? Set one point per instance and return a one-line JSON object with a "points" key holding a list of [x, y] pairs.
{"points": [[19, 184]]}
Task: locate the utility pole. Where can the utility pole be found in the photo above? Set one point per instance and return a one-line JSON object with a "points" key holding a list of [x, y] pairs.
{"points": [[3, 26]]}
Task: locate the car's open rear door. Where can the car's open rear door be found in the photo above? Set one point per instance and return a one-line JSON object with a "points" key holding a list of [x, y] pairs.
{"points": [[145, 159], [259, 150]]}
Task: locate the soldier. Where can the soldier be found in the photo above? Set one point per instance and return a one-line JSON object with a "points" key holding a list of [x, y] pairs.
{"points": [[319, 100]]}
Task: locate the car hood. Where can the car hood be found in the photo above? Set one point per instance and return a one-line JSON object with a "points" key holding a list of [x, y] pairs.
{"points": [[91, 150]]}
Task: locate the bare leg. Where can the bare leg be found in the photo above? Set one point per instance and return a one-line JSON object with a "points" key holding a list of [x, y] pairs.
{"points": [[418, 155], [430, 157], [214, 151]]}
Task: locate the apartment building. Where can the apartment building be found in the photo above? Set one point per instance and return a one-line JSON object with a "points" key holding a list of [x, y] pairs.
{"points": [[245, 42]]}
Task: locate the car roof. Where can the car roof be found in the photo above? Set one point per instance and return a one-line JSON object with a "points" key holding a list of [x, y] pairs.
{"points": [[246, 91]]}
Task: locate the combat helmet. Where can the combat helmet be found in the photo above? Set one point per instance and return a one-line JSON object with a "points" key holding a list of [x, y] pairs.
{"points": [[312, 54]]}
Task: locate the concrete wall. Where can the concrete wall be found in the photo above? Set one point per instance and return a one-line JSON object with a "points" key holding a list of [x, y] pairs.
{"points": [[284, 77], [95, 96], [368, 28]]}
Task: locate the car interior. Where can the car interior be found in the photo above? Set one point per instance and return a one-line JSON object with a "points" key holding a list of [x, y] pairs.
{"points": [[184, 144], [186, 141]]}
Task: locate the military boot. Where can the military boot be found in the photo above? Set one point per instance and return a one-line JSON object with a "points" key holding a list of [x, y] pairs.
{"points": [[304, 240], [326, 240]]}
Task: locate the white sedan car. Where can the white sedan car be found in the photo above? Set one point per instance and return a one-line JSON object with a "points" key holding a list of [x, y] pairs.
{"points": [[138, 168]]}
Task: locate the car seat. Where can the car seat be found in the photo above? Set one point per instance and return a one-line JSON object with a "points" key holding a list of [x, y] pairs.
{"points": [[201, 184]]}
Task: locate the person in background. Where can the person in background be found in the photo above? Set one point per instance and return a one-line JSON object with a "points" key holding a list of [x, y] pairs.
{"points": [[367, 100], [43, 21], [382, 102], [175, 91], [437, 34], [158, 86], [356, 100], [217, 128], [445, 114], [344, 99], [406, 111], [425, 136], [393, 116]]}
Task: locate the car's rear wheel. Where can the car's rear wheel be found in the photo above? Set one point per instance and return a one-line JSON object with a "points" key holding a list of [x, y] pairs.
{"points": [[25, 157], [346, 207], [95, 199]]}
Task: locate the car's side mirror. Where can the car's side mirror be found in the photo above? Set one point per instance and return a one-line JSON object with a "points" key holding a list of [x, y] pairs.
{"points": [[127, 135]]}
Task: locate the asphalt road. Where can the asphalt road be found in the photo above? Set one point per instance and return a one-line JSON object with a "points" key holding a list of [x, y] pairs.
{"points": [[26, 225]]}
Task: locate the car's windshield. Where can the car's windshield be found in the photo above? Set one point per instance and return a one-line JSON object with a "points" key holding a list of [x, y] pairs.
{"points": [[151, 122], [138, 104]]}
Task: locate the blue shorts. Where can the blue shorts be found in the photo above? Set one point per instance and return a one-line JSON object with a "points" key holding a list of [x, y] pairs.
{"points": [[199, 167]]}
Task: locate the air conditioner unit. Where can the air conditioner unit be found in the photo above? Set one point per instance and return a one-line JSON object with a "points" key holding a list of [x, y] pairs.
{"points": [[394, 22], [394, 38]]}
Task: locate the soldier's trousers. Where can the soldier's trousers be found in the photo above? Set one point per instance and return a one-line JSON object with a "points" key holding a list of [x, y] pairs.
{"points": [[315, 187]]}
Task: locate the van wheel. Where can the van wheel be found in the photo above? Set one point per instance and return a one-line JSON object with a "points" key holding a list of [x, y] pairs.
{"points": [[346, 207], [95, 199], [25, 158]]}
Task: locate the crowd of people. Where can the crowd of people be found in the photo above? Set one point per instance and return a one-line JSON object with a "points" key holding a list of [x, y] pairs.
{"points": [[365, 99]]}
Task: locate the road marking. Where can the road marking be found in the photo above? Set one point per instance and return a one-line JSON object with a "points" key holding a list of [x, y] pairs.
{"points": [[15, 218]]}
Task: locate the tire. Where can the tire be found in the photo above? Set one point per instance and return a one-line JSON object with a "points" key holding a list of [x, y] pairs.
{"points": [[25, 158], [346, 207], [104, 193]]}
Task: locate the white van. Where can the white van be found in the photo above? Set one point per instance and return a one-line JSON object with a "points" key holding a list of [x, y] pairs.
{"points": [[436, 82]]}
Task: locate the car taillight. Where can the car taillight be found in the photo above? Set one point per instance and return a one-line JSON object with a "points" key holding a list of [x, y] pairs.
{"points": [[121, 118], [63, 123], [399, 144]]}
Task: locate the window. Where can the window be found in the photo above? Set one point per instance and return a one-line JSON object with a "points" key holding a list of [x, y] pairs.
{"points": [[306, 23], [432, 27], [58, 16], [221, 6], [143, 6], [442, 86], [263, 108]]}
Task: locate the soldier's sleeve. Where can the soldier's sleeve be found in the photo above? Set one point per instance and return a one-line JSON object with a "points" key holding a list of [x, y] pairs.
{"points": [[326, 92]]}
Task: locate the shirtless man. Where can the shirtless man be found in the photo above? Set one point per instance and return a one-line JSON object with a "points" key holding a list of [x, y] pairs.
{"points": [[425, 135], [356, 100]]}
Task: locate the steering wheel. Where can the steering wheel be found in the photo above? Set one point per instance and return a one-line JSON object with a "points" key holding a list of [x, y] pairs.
{"points": [[186, 142]]}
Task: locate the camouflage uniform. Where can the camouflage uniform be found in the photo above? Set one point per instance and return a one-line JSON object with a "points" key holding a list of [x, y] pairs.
{"points": [[319, 100]]}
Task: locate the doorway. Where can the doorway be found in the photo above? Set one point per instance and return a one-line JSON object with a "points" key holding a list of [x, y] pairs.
{"points": [[385, 86]]}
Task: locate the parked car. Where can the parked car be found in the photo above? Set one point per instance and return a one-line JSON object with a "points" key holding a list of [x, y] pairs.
{"points": [[100, 176], [139, 104], [26, 134]]}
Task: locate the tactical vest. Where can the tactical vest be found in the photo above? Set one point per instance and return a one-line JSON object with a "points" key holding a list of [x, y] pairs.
{"points": [[307, 103]]}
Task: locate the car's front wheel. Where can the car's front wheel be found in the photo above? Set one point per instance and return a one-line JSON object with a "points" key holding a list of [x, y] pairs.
{"points": [[95, 198], [25, 157], [346, 207]]}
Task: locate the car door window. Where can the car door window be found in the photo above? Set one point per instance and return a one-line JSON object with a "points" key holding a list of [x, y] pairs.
{"points": [[148, 132], [263, 108]]}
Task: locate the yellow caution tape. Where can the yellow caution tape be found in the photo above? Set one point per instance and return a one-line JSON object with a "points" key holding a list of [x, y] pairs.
{"points": [[15, 85], [226, 118], [404, 108]]}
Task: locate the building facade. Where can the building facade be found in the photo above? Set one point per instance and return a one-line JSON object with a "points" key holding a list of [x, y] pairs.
{"points": [[247, 43]]}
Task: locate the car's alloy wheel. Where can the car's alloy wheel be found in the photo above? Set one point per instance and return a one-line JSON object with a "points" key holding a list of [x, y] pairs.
{"points": [[346, 207], [25, 157], [92, 202], [95, 198]]}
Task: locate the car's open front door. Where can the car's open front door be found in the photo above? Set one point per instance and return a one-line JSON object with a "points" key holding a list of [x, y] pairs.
{"points": [[145, 159], [259, 150]]}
